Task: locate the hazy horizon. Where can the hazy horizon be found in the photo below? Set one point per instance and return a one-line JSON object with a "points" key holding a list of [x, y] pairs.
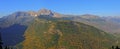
{"points": [[75, 7]]}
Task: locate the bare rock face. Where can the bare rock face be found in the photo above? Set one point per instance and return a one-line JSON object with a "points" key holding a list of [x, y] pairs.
{"points": [[33, 13], [57, 15], [45, 12], [49, 12]]}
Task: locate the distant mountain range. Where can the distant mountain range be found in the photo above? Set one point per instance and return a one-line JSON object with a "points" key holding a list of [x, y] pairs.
{"points": [[20, 27], [104, 23]]}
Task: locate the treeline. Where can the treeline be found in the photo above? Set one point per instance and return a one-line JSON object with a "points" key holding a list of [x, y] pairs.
{"points": [[115, 47]]}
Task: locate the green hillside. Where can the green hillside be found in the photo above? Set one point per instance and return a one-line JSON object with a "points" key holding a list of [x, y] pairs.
{"points": [[64, 34]]}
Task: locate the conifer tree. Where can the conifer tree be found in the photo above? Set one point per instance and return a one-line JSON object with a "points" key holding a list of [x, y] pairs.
{"points": [[117, 47], [0, 42]]}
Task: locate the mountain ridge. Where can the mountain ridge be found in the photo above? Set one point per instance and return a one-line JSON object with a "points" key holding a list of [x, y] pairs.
{"points": [[57, 34], [26, 18]]}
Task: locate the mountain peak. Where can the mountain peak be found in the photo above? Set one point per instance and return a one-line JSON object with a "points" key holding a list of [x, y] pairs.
{"points": [[45, 12], [48, 12], [43, 9]]}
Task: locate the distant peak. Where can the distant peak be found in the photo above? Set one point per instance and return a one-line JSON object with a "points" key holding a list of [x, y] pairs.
{"points": [[44, 11], [87, 16]]}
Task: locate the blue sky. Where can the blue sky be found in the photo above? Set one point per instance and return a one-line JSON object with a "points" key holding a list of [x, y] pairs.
{"points": [[77, 7]]}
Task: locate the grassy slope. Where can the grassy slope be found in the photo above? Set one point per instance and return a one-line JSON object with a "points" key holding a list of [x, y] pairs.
{"points": [[43, 34]]}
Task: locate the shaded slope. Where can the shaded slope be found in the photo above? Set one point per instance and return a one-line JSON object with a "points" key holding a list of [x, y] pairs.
{"points": [[13, 34], [43, 34]]}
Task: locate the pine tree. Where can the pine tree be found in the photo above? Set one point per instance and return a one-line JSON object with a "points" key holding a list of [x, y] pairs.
{"points": [[112, 47], [6, 47], [0, 42], [117, 47]]}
